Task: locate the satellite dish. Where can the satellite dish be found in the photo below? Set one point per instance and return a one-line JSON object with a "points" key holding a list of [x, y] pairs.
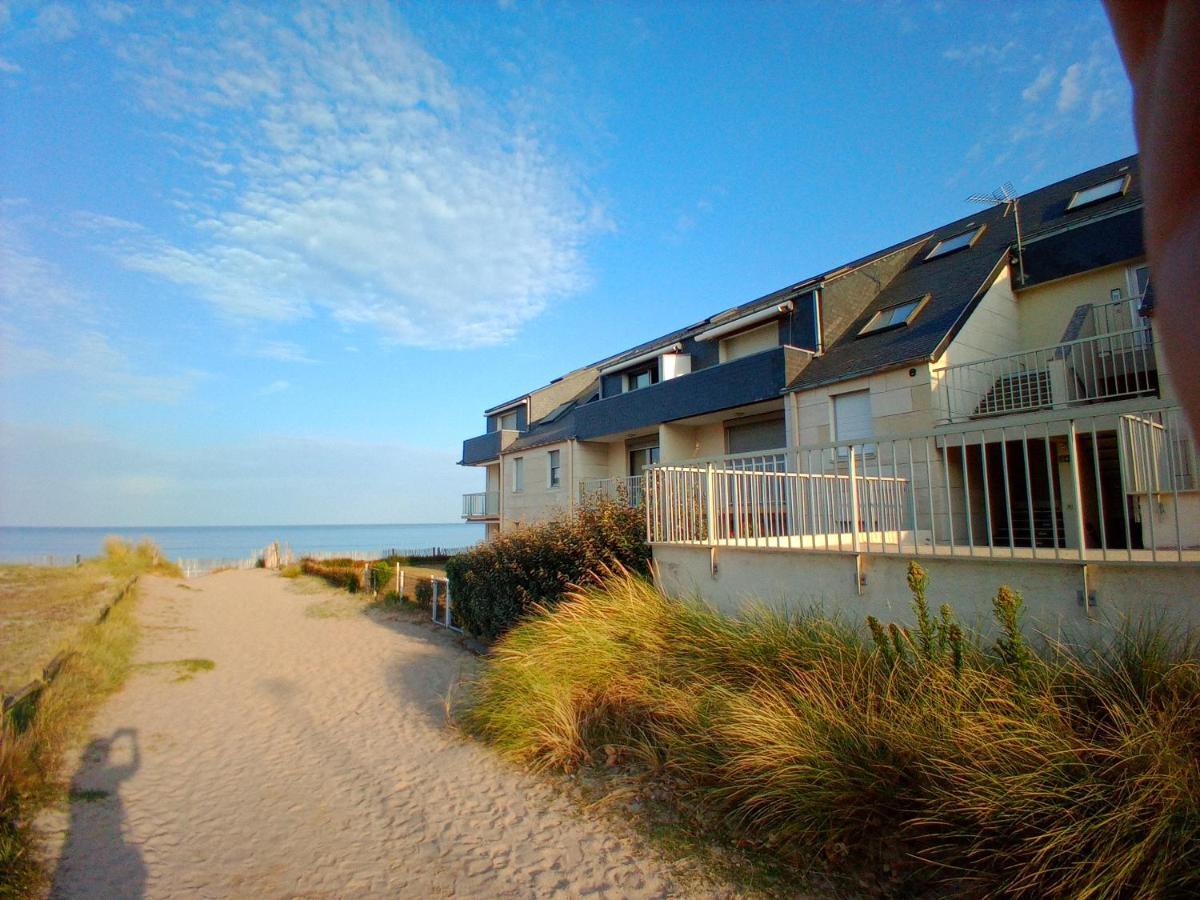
{"points": [[1007, 197]]}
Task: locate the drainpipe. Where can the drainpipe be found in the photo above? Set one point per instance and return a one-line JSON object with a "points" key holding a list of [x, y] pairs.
{"points": [[570, 485]]}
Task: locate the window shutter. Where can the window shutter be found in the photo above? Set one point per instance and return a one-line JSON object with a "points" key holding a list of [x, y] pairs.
{"points": [[852, 416]]}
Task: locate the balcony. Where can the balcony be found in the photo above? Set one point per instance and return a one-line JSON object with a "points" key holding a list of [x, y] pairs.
{"points": [[485, 448], [750, 379], [1093, 486], [630, 488], [478, 507], [1107, 366]]}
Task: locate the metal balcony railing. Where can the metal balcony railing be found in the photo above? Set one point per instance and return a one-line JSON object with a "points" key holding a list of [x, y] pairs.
{"points": [[1081, 488], [485, 505], [1094, 369], [629, 488]]}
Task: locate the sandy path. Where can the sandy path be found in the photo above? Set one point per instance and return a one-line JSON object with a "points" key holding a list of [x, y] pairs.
{"points": [[312, 760]]}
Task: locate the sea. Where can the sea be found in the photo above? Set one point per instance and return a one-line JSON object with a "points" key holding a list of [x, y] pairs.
{"points": [[214, 544]]}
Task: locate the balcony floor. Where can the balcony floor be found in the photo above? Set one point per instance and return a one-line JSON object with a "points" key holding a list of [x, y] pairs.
{"points": [[902, 544]]}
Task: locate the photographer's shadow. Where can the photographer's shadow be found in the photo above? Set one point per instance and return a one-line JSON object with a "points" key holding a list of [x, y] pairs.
{"points": [[96, 860]]}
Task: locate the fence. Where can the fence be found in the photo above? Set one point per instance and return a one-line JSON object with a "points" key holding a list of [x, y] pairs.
{"points": [[1105, 487], [629, 488], [193, 568], [481, 505], [753, 500], [442, 605], [1089, 370], [13, 704]]}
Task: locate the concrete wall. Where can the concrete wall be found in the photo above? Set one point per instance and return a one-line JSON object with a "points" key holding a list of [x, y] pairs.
{"points": [[538, 501], [993, 329], [590, 461], [800, 579], [1160, 511], [1046, 309], [900, 404]]}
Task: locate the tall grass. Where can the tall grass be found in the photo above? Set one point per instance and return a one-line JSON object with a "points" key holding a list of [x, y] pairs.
{"points": [[32, 746], [996, 768]]}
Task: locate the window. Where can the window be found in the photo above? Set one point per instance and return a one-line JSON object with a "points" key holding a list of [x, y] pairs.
{"points": [[555, 468], [508, 421], [749, 342], [641, 459], [852, 419], [642, 378], [518, 475], [753, 437], [958, 241], [894, 316], [1138, 278], [1114, 187]]}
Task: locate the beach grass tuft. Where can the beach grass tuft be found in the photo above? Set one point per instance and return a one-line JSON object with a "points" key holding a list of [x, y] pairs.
{"points": [[33, 744], [925, 758]]}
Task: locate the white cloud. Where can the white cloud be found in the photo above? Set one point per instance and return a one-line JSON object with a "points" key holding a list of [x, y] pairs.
{"points": [[356, 178], [275, 387], [8, 66], [1038, 86], [1070, 88], [113, 12], [979, 53], [280, 351], [56, 22]]}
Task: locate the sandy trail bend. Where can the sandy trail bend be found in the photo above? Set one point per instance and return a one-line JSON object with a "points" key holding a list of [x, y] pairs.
{"points": [[312, 760]]}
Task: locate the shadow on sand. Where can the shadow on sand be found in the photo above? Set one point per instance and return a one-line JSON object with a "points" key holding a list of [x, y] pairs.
{"points": [[96, 833]]}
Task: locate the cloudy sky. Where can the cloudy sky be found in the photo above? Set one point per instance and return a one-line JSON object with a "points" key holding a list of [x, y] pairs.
{"points": [[267, 263]]}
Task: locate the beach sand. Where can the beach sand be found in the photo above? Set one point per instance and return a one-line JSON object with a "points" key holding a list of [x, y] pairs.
{"points": [[313, 759]]}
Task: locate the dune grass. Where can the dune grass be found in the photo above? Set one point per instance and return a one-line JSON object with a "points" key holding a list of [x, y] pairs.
{"points": [[918, 758], [33, 743]]}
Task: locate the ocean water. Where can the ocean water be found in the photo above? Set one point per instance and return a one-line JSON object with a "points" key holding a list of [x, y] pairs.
{"points": [[237, 542]]}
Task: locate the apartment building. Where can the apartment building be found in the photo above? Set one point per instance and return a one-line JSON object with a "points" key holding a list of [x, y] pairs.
{"points": [[995, 407]]}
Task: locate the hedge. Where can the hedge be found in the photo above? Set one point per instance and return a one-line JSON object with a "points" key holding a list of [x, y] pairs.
{"points": [[495, 584]]}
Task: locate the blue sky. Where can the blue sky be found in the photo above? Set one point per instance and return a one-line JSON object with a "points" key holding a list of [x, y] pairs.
{"points": [[268, 263]]}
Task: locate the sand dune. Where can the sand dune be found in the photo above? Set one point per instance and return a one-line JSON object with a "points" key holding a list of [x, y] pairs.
{"points": [[313, 760]]}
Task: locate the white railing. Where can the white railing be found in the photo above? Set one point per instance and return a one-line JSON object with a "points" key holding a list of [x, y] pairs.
{"points": [[1076, 488], [1089, 370], [628, 488], [755, 500], [481, 506], [1115, 316]]}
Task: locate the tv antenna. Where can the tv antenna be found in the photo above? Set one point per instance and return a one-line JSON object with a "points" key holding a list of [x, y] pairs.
{"points": [[1005, 196]]}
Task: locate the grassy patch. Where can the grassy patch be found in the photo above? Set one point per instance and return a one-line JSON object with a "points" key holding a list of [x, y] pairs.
{"points": [[32, 746], [182, 669], [341, 607], [902, 759], [87, 796]]}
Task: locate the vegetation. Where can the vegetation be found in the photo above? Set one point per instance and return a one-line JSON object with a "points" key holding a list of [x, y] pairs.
{"points": [[497, 583], [34, 737], [357, 575], [43, 608], [918, 755]]}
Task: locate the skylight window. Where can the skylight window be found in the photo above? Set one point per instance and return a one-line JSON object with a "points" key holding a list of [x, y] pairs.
{"points": [[894, 316], [1114, 187], [956, 242]]}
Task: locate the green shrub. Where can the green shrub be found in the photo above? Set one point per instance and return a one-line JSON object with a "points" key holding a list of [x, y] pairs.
{"points": [[1003, 771], [423, 593], [498, 582]]}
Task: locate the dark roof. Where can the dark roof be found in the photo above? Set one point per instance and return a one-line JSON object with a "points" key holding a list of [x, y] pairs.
{"points": [[956, 281], [1057, 246]]}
